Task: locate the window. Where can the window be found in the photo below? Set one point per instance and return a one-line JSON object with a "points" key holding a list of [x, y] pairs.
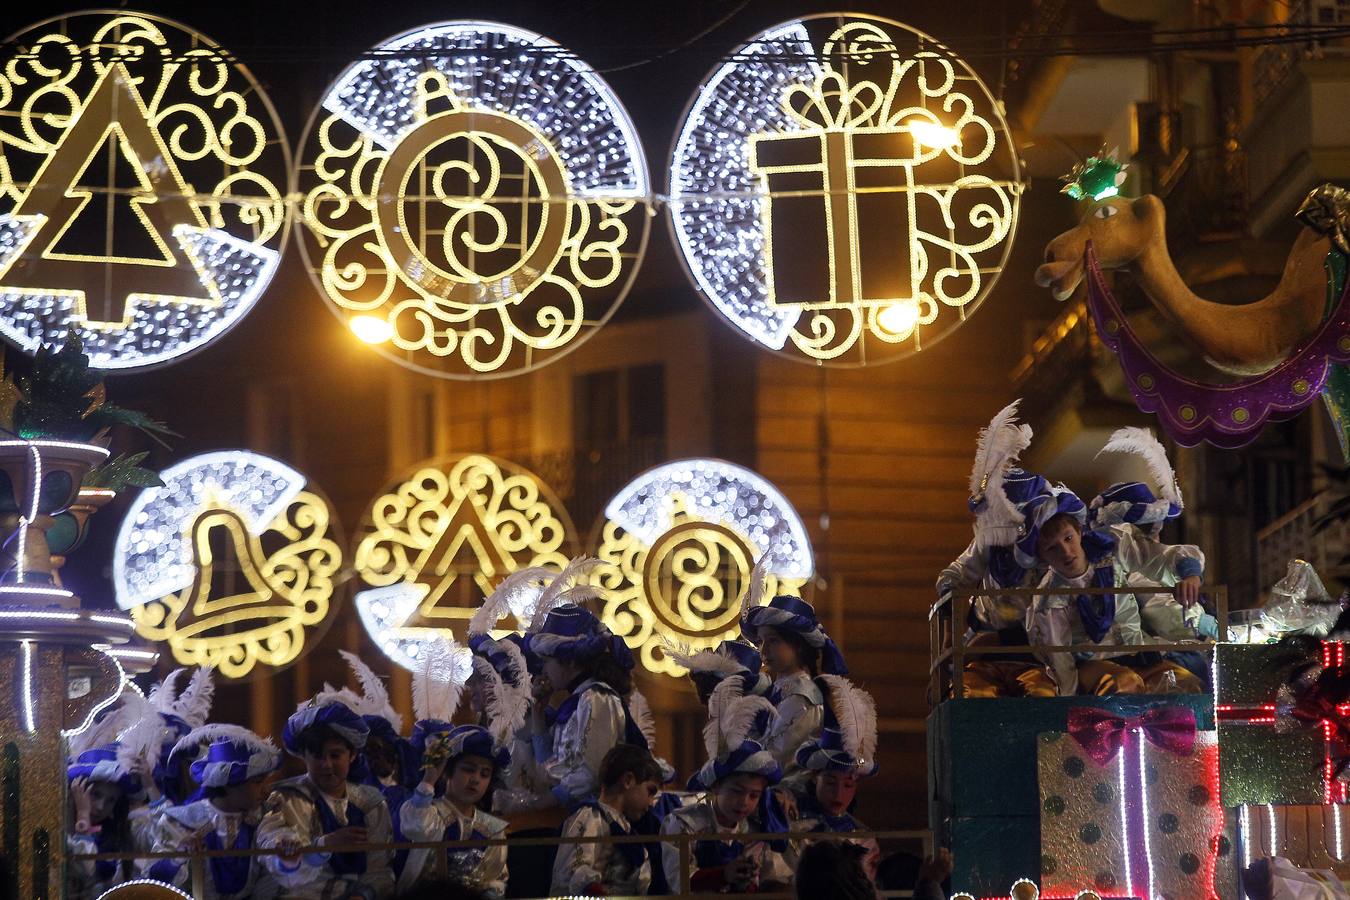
{"points": [[619, 406]]}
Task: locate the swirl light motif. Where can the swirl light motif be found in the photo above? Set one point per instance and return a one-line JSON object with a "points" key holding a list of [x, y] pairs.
{"points": [[435, 543], [844, 189], [168, 573], [473, 198], [141, 192], [680, 541]]}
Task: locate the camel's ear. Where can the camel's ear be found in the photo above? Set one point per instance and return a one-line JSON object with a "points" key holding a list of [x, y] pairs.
{"points": [[1146, 207]]}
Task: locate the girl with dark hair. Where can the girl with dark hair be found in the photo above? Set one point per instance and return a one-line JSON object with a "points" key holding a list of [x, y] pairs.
{"points": [[796, 651]]}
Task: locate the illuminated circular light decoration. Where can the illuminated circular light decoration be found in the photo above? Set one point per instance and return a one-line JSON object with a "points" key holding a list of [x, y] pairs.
{"points": [[680, 541], [231, 564], [844, 189], [142, 197], [474, 200], [437, 541]]}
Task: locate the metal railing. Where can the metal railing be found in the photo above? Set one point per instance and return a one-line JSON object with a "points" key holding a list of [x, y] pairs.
{"points": [[949, 652], [197, 860]]}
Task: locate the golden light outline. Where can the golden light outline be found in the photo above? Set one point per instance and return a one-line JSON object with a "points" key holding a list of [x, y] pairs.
{"points": [[159, 107], [287, 592], [500, 516], [916, 112], [371, 253]]}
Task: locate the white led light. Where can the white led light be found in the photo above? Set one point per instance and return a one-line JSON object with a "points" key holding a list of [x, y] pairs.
{"points": [[474, 200], [383, 612], [36, 614], [153, 556], [680, 542], [118, 891], [122, 682], [29, 719], [207, 213], [1274, 830], [844, 127], [721, 493], [1245, 824], [1122, 793], [1138, 739], [284, 560]]}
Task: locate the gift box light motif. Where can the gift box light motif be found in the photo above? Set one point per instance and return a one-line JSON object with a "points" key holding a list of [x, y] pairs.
{"points": [[879, 210], [1281, 744], [1129, 806]]}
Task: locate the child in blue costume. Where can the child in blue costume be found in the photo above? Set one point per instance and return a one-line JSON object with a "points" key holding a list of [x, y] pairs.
{"points": [[461, 765], [631, 781], [1115, 557], [998, 490], [734, 783], [387, 762], [165, 716], [103, 793], [731, 659], [842, 755], [581, 656], [795, 649], [233, 778], [1135, 504], [322, 807]]}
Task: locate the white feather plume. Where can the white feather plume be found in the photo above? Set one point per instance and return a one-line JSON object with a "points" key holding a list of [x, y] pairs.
{"points": [[439, 681], [130, 709], [163, 694], [496, 702], [193, 705], [998, 447], [1142, 443], [741, 721], [346, 696], [719, 703], [497, 605], [374, 699], [856, 712], [559, 590], [758, 588], [702, 661], [215, 731], [641, 711]]}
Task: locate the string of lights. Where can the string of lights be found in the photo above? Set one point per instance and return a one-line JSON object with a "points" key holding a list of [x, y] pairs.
{"points": [[1080, 43]]}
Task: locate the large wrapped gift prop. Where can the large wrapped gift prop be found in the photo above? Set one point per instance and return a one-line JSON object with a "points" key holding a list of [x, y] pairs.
{"points": [[1282, 741], [1129, 806]]}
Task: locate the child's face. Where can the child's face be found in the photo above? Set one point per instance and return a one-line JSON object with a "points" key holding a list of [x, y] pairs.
{"points": [[244, 797], [737, 796], [637, 796], [468, 780], [1060, 546], [559, 674], [780, 657], [329, 767], [835, 791], [380, 758], [103, 797]]}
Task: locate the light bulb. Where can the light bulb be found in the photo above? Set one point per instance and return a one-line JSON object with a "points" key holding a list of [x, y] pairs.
{"points": [[371, 329]]}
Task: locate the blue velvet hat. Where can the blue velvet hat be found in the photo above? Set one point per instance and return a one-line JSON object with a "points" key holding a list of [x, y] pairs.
{"points": [[848, 737], [102, 764], [1131, 503], [1039, 510], [337, 716], [463, 740], [571, 632], [796, 615], [233, 755]]}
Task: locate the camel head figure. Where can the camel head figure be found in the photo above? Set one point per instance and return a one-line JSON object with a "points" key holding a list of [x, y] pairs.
{"points": [[1242, 339]]}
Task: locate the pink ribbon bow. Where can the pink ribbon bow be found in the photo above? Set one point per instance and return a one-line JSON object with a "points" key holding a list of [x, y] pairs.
{"points": [[1101, 734]]}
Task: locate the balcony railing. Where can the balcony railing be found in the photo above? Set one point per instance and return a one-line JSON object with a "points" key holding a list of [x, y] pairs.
{"points": [[1275, 63], [197, 861], [949, 652]]}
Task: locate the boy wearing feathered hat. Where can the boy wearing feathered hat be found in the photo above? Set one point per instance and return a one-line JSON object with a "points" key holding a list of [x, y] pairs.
{"points": [[165, 716], [795, 649], [1114, 557], [842, 755], [460, 764], [735, 783], [322, 808], [998, 490], [631, 780], [105, 793], [233, 775], [581, 656], [731, 659]]}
